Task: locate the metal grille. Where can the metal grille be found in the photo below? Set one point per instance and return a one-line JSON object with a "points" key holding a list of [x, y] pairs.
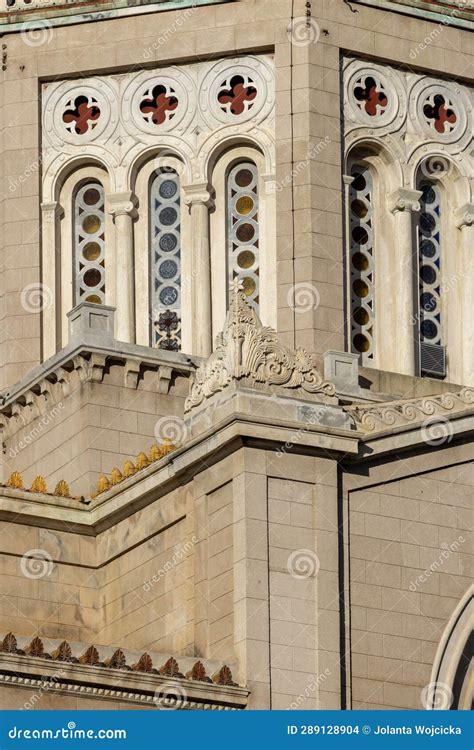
{"points": [[362, 263], [243, 230], [165, 212], [89, 245], [433, 360]]}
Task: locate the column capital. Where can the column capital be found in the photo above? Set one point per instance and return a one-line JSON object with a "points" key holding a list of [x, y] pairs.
{"points": [[348, 179], [52, 211], [121, 204], [464, 216], [198, 193], [404, 199]]}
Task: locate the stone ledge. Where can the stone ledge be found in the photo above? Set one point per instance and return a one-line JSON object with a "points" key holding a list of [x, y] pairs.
{"points": [[61, 13], [122, 675], [429, 10]]}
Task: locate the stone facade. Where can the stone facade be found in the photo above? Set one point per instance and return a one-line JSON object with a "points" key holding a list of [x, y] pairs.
{"points": [[271, 515]]}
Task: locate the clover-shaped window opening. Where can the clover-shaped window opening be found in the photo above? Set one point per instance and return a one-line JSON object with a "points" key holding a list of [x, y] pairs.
{"points": [[440, 115], [239, 96], [82, 116], [373, 100], [160, 106]]}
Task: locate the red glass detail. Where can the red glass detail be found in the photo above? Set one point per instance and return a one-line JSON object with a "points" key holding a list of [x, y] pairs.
{"points": [[83, 116], [439, 113], [371, 96], [159, 105], [237, 95]]}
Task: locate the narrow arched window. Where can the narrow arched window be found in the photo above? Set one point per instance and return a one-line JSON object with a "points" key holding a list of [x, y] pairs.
{"points": [[89, 244], [432, 359], [361, 263], [165, 292], [243, 239]]}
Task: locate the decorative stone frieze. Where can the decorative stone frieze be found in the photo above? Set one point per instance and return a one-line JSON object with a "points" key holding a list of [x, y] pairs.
{"points": [[251, 353], [89, 672], [370, 418]]}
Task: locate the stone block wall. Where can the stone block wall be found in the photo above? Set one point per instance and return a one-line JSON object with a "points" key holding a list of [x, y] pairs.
{"points": [[411, 562], [96, 427]]}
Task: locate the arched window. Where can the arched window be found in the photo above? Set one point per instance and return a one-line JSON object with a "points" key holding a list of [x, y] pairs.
{"points": [[89, 244], [243, 240], [432, 358], [165, 260], [361, 263]]}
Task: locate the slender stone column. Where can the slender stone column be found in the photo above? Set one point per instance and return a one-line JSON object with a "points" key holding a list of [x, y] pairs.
{"points": [[122, 208], [52, 287], [403, 271], [198, 198], [347, 180], [465, 223]]}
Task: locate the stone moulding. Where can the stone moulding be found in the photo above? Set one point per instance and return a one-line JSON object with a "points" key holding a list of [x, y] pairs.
{"points": [[370, 418], [113, 679], [251, 353], [46, 387]]}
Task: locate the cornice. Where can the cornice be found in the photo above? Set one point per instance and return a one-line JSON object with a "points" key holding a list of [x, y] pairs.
{"points": [[85, 11], [452, 14], [121, 675], [50, 383]]}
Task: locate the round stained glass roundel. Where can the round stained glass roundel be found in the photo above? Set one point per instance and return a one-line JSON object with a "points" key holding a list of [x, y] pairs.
{"points": [[168, 269], [168, 243], [168, 216], [168, 189], [89, 244], [91, 224]]}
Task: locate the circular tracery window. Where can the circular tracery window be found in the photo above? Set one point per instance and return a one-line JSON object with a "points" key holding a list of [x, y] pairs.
{"points": [[81, 114], [158, 105], [440, 113], [237, 94], [370, 95]]}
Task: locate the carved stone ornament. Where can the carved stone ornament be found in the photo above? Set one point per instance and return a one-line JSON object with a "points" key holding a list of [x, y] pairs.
{"points": [[249, 352], [370, 418]]}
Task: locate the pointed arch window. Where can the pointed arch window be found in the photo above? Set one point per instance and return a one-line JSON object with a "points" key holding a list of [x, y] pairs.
{"points": [[89, 244], [432, 352], [243, 235], [165, 293], [361, 263]]}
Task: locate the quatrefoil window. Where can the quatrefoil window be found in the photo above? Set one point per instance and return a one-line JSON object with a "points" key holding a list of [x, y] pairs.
{"points": [[81, 115], [370, 96], [159, 104], [440, 114], [237, 95]]}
